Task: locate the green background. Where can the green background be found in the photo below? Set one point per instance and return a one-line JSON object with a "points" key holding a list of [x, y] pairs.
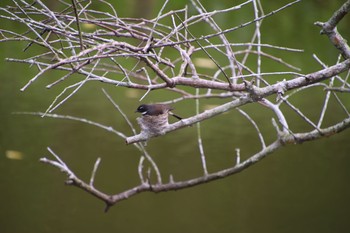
{"points": [[300, 188]]}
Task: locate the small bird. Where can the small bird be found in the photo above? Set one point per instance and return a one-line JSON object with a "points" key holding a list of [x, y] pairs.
{"points": [[156, 109]]}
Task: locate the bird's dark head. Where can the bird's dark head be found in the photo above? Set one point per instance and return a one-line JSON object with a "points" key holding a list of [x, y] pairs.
{"points": [[143, 108]]}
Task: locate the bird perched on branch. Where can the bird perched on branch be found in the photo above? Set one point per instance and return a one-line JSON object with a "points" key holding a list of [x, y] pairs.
{"points": [[154, 120], [156, 109]]}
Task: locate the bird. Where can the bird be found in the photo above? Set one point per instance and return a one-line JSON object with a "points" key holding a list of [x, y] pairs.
{"points": [[156, 109]]}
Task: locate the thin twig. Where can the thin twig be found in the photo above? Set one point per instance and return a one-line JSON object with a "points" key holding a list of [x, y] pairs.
{"points": [[93, 174], [78, 24]]}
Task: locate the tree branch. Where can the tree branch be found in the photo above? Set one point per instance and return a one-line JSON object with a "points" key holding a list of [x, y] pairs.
{"points": [[149, 54], [172, 185]]}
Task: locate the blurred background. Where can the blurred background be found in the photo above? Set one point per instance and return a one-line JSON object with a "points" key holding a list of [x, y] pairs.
{"points": [[300, 188]]}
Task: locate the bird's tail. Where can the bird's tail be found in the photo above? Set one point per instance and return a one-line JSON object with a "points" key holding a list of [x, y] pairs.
{"points": [[176, 116]]}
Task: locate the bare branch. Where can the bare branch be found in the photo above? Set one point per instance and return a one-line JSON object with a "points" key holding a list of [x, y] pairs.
{"points": [[165, 53], [93, 174], [329, 28]]}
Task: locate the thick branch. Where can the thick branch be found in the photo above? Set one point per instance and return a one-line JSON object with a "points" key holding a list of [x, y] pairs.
{"points": [[256, 93], [330, 29], [331, 24], [283, 140], [315, 134], [308, 79]]}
